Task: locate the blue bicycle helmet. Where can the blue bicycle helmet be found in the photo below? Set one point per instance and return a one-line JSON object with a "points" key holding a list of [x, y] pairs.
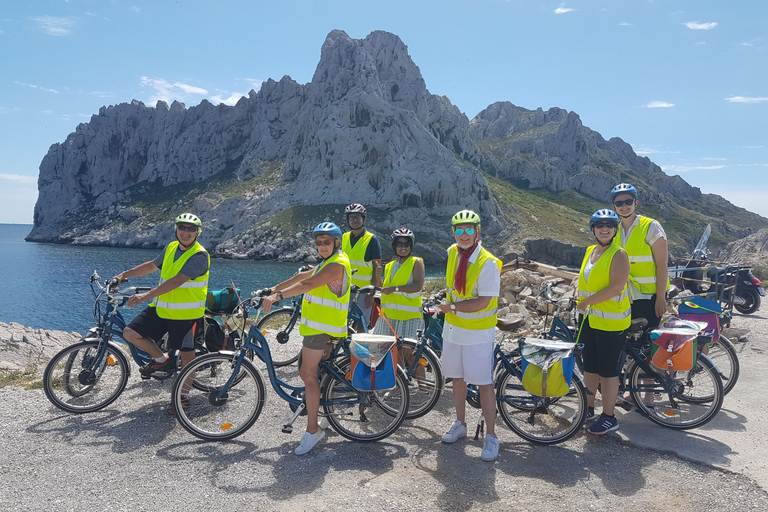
{"points": [[603, 214], [327, 228], [623, 188]]}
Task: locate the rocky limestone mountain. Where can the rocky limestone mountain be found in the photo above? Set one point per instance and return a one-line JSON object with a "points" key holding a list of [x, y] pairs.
{"points": [[752, 250], [365, 129]]}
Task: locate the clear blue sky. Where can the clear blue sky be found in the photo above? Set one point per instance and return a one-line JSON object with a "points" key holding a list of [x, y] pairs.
{"points": [[684, 82]]}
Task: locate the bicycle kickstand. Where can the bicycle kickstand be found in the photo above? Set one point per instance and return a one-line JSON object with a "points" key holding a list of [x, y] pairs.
{"points": [[480, 428], [288, 427]]}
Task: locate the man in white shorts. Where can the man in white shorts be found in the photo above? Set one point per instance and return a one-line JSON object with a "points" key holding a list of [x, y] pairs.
{"points": [[473, 276]]}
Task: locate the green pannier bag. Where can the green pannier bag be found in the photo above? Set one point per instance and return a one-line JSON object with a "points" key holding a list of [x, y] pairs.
{"points": [[547, 366]]}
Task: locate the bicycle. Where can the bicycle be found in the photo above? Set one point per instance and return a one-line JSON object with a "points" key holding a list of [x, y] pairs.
{"points": [[279, 326], [538, 419], [92, 373], [232, 394]]}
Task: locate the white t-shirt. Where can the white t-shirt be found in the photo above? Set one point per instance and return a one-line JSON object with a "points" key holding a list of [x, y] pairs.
{"points": [[487, 285], [655, 231]]}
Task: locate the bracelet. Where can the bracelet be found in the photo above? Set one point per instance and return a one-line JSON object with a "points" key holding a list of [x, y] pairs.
{"points": [[280, 295]]}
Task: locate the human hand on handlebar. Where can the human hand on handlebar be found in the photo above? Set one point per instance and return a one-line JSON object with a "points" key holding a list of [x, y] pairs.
{"points": [[137, 299]]}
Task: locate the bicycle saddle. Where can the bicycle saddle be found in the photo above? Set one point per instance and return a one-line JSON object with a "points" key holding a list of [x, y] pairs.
{"points": [[509, 324]]}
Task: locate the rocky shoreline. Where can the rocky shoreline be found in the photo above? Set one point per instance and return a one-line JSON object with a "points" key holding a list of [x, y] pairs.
{"points": [[24, 349]]}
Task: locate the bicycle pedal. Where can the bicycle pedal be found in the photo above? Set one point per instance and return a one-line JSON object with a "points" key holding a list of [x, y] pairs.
{"points": [[287, 429], [627, 406]]}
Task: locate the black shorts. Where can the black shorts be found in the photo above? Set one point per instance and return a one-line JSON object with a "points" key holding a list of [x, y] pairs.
{"points": [[602, 350], [646, 308], [181, 333]]}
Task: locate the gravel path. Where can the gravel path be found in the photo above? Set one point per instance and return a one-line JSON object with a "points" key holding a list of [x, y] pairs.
{"points": [[133, 456]]}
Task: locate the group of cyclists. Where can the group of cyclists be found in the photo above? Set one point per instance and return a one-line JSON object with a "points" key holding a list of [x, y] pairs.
{"points": [[622, 276]]}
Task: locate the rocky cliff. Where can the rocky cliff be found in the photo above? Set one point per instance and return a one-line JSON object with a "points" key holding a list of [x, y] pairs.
{"points": [[365, 129]]}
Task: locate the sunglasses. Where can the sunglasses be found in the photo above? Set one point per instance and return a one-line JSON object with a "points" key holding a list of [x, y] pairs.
{"points": [[601, 225], [402, 244], [354, 217], [461, 231], [182, 227], [321, 243], [626, 202]]}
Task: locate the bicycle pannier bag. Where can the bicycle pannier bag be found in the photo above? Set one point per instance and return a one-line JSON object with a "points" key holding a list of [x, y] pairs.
{"points": [[222, 301], [547, 366], [374, 362], [675, 344]]}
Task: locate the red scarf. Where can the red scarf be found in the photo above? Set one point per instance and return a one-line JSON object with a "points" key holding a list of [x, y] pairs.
{"points": [[460, 280]]}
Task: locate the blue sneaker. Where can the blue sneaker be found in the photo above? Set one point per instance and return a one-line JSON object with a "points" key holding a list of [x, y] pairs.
{"points": [[603, 425]]}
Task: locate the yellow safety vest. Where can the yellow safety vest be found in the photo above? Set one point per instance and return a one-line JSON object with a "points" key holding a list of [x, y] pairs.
{"points": [[613, 314], [483, 319], [322, 311], [187, 302], [642, 268], [364, 274], [400, 305]]}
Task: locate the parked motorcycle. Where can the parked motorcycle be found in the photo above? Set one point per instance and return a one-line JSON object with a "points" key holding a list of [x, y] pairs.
{"points": [[740, 286]]}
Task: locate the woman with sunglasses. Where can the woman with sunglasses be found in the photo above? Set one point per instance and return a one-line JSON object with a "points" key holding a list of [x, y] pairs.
{"points": [[473, 277], [323, 317], [603, 299], [646, 244], [401, 295]]}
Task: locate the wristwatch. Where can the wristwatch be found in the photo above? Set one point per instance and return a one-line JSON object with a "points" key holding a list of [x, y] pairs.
{"points": [[397, 288], [280, 295], [453, 306]]}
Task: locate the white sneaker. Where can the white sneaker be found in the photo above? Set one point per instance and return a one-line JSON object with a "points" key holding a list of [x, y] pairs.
{"points": [[308, 441], [456, 432], [491, 448], [323, 422]]}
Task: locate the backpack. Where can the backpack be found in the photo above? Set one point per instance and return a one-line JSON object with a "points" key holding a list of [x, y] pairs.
{"points": [[547, 366], [374, 362]]}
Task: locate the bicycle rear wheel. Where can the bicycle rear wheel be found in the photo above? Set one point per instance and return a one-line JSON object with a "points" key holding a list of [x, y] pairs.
{"points": [[363, 415], [542, 420], [695, 397], [284, 343], [723, 354], [425, 381], [78, 379], [206, 414]]}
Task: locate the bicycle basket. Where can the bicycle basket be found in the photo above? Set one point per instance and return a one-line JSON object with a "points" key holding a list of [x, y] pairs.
{"points": [[547, 366], [374, 361]]}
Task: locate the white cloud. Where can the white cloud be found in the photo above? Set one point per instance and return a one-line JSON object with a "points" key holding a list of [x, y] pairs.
{"points": [[255, 83], [751, 147], [190, 89], [18, 178], [659, 104], [231, 100], [650, 151], [135, 9], [625, 24], [37, 87], [695, 25], [55, 26], [563, 10], [102, 94], [752, 165], [746, 99], [716, 159], [746, 44], [167, 92], [688, 168]]}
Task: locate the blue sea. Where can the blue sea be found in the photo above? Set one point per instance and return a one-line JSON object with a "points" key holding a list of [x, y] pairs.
{"points": [[46, 285]]}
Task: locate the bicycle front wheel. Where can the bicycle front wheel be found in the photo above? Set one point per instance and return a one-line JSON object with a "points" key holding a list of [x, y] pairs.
{"points": [[542, 420], [425, 381], [204, 411], [284, 339], [693, 397], [80, 379], [363, 415]]}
